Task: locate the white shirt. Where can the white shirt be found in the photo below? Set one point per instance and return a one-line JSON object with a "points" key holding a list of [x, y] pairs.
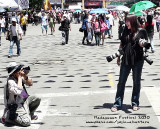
{"points": [[2, 21], [13, 89], [44, 20], [111, 19], [16, 30], [89, 18]]}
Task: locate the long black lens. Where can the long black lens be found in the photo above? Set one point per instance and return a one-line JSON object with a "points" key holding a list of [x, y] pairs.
{"points": [[148, 60], [109, 58]]}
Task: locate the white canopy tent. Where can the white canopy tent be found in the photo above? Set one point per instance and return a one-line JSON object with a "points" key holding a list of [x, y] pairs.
{"points": [[122, 8], [8, 4]]}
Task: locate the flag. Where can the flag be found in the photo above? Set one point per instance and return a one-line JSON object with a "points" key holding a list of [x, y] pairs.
{"points": [[47, 5]]}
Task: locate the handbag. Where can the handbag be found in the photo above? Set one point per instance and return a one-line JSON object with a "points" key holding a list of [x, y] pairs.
{"points": [[81, 30], [104, 26], [60, 28], [8, 38]]}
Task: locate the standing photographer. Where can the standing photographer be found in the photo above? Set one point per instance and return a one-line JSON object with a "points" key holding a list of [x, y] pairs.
{"points": [[132, 60], [19, 106]]}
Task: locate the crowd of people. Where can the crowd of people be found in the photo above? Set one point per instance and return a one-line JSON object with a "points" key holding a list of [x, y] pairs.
{"points": [[134, 33]]}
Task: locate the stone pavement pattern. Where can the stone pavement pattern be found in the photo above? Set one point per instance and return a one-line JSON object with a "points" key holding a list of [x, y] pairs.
{"points": [[78, 86]]}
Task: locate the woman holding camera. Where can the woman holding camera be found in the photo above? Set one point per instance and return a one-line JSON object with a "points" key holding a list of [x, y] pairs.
{"points": [[132, 60], [19, 106]]}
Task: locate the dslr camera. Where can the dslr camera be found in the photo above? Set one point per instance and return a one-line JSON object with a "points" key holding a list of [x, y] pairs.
{"points": [[145, 44], [26, 69], [119, 53]]}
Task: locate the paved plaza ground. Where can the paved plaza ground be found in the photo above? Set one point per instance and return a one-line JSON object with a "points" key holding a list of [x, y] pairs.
{"points": [[78, 86]]}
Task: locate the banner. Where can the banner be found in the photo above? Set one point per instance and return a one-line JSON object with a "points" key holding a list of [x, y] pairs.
{"points": [[23, 3], [47, 5]]}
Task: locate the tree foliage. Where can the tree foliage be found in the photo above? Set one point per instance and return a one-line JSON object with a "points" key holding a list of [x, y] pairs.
{"points": [[38, 4]]}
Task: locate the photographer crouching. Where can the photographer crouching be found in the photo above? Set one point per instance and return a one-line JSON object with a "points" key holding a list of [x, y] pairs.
{"points": [[19, 106]]}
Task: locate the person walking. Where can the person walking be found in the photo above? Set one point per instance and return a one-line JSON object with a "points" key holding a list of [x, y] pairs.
{"points": [[149, 26], [96, 28], [107, 31], [111, 22], [66, 26], [132, 59], [2, 22], [85, 28], [14, 34], [52, 23], [103, 27], [157, 17], [23, 23], [44, 23]]}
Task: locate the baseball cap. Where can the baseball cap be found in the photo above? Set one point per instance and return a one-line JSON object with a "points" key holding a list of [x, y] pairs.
{"points": [[14, 19]]}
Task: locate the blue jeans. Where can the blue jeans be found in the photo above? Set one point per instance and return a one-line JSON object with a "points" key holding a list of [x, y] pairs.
{"points": [[107, 32], [14, 40], [157, 25], [97, 37], [124, 72], [150, 37]]}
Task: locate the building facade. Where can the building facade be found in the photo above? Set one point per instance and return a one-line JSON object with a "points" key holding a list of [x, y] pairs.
{"points": [[89, 4]]}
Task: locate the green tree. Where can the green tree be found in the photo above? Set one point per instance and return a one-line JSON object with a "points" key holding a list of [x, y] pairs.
{"points": [[38, 4]]}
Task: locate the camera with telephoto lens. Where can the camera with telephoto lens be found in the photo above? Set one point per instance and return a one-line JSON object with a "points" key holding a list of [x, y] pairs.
{"points": [[119, 53], [26, 69], [147, 59], [144, 43], [12, 111]]}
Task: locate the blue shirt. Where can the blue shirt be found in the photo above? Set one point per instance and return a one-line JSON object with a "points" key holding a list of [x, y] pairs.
{"points": [[108, 24], [84, 23]]}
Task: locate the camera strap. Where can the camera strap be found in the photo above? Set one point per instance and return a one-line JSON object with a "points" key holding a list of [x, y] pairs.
{"points": [[7, 92], [25, 88]]}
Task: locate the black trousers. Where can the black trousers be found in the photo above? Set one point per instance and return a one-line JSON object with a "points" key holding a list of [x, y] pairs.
{"points": [[85, 36], [67, 36]]}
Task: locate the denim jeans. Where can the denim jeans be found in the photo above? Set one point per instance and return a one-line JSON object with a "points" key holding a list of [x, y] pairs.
{"points": [[107, 31], [14, 40], [157, 25], [97, 37], [124, 72], [150, 37]]}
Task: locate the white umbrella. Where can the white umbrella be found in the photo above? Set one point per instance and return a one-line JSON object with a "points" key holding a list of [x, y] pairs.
{"points": [[8, 4], [122, 8]]}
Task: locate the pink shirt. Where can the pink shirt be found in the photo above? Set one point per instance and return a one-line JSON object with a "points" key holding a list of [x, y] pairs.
{"points": [[157, 18]]}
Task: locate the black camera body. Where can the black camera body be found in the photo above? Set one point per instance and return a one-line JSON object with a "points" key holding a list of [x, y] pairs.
{"points": [[12, 111], [145, 44], [26, 69]]}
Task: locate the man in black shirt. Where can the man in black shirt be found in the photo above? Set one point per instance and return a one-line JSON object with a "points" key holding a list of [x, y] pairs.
{"points": [[65, 24]]}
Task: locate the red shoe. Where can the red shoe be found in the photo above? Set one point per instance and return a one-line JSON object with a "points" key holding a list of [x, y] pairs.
{"points": [[2, 120]]}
